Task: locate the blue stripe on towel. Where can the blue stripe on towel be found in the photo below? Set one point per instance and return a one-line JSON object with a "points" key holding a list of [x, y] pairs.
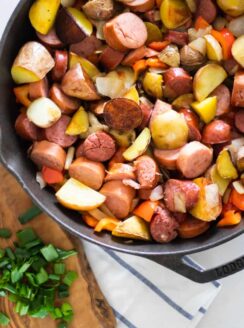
{"points": [[202, 310], [120, 317], [149, 284]]}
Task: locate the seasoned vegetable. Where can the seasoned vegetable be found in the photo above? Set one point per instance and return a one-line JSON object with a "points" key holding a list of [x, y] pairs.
{"points": [[134, 227]]}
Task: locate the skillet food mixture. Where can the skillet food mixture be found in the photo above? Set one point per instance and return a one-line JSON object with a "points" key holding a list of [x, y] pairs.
{"points": [[135, 112]]}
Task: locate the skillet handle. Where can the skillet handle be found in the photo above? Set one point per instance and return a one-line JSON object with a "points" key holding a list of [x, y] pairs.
{"points": [[187, 268]]}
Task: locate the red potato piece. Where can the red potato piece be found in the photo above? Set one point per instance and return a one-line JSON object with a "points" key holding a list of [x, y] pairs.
{"points": [[86, 47], [193, 124], [118, 198], [79, 150], [187, 192], [223, 99], [147, 172], [76, 83], [216, 132], [120, 171], [140, 5], [163, 226], [239, 120], [125, 31], [194, 159], [167, 158], [111, 58], [56, 133], [99, 147], [122, 114], [231, 66], [38, 89], [88, 172], [51, 39], [237, 98], [146, 107], [45, 153], [192, 227], [152, 16], [99, 9], [61, 64], [177, 82], [68, 105], [160, 107], [179, 38], [98, 107], [206, 9], [25, 128], [135, 55]]}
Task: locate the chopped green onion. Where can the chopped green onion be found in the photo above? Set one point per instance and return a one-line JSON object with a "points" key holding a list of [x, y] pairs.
{"points": [[2, 293], [4, 320], [2, 253], [57, 313], [26, 236], [42, 276], [62, 324], [65, 254], [54, 277], [4, 262], [29, 215], [38, 263], [31, 278], [10, 253], [66, 309], [70, 277], [5, 233], [33, 243], [63, 291], [40, 313], [59, 268], [21, 253], [49, 253], [9, 288]]}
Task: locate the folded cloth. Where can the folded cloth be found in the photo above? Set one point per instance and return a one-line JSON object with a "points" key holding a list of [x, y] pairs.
{"points": [[144, 294]]}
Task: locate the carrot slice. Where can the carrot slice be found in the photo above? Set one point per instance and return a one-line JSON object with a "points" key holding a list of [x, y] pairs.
{"points": [[159, 45], [146, 210], [155, 63]]}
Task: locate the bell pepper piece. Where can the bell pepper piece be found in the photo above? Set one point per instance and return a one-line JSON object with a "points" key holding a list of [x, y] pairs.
{"points": [[89, 220], [226, 40], [146, 210], [106, 224], [21, 94], [230, 218]]}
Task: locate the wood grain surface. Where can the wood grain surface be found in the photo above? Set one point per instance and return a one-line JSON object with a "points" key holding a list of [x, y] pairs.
{"points": [[91, 309]]}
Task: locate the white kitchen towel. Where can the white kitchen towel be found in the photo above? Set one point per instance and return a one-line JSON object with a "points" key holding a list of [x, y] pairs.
{"points": [[144, 294]]}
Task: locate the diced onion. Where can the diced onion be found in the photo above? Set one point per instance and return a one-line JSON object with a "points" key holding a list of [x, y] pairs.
{"points": [[40, 180], [131, 183], [69, 157], [236, 26], [212, 195], [179, 202], [238, 187], [194, 34], [157, 193]]}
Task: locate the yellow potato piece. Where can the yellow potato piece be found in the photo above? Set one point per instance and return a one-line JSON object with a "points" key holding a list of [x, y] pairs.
{"points": [[174, 13], [79, 123], [206, 109], [216, 178], [139, 146], [134, 228], [88, 66], [42, 14], [214, 50], [207, 79], [232, 7], [225, 167], [77, 196], [153, 33], [238, 50], [123, 139], [22, 75], [132, 94], [81, 20], [152, 84], [183, 101]]}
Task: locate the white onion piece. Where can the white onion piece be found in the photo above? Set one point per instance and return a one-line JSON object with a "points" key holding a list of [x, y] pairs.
{"points": [[110, 85], [69, 157], [40, 180], [238, 187], [200, 45], [194, 34], [157, 193], [236, 26], [234, 147], [179, 202], [212, 195], [131, 183]]}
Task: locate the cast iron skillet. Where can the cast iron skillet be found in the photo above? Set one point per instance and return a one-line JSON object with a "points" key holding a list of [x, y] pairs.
{"points": [[14, 157]]}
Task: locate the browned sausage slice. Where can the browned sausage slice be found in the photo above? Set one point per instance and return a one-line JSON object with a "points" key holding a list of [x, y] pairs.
{"points": [[180, 195], [177, 37], [120, 171], [239, 120], [135, 55], [122, 114], [146, 108], [99, 147], [45, 153], [147, 172], [79, 150], [90, 173], [231, 66], [50, 39], [25, 128], [216, 132], [177, 82], [67, 104], [163, 226], [192, 227], [125, 31], [38, 89], [118, 198], [111, 58], [144, 193], [61, 64], [86, 47], [167, 158], [237, 98], [56, 133], [223, 99], [194, 159], [206, 9]]}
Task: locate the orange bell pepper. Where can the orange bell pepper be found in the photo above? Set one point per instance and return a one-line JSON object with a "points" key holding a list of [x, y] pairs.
{"points": [[146, 210], [230, 218], [106, 224], [21, 94], [200, 23], [237, 199], [159, 45], [226, 39], [89, 220], [139, 67], [155, 63], [51, 176]]}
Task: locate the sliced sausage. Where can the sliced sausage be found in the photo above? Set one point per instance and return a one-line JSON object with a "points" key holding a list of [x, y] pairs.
{"points": [[99, 9], [117, 158], [111, 58], [118, 198], [192, 227], [194, 159], [193, 124], [68, 105], [88, 172], [231, 66], [146, 108], [98, 107], [239, 120], [206, 9], [125, 31], [135, 55], [56, 133], [79, 150], [163, 226], [25, 128], [180, 217], [38, 89], [139, 5], [120, 171], [147, 172], [99, 147], [223, 99], [177, 82], [179, 38], [50, 39], [144, 193], [61, 64], [237, 98], [167, 158], [216, 132], [180, 195], [122, 114], [86, 47], [45, 153]]}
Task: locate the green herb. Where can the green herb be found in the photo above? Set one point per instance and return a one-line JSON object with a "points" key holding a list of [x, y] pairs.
{"points": [[26, 236], [49, 253], [41, 276], [4, 320], [63, 291], [29, 215], [62, 324], [70, 277], [10, 253], [65, 254], [5, 233], [59, 268]]}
